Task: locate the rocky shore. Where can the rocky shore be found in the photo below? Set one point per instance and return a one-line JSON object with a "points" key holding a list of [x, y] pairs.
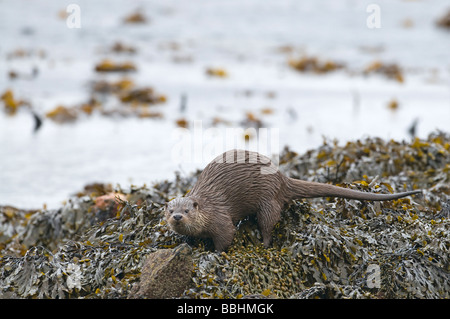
{"points": [[107, 242]]}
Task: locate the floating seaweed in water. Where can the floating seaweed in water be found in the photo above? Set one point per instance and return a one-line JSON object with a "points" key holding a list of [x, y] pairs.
{"points": [[217, 72], [143, 96], [391, 71], [109, 66], [314, 65], [10, 103], [135, 18]]}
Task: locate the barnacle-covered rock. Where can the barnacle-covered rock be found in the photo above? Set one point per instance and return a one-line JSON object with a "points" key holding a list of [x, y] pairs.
{"points": [[136, 17], [12, 223], [109, 66], [62, 114], [144, 95], [166, 273], [134, 101]]}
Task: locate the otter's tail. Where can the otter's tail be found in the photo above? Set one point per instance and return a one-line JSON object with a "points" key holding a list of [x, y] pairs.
{"points": [[304, 189]]}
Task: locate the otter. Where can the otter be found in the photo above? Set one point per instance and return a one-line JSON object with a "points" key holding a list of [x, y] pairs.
{"points": [[239, 183]]}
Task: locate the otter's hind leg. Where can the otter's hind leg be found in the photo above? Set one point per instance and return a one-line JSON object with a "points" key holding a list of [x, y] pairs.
{"points": [[268, 216]]}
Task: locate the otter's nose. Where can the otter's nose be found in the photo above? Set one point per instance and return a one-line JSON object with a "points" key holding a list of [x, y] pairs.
{"points": [[177, 217]]}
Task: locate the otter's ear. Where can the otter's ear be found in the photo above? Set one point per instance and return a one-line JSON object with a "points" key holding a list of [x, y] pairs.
{"points": [[195, 205]]}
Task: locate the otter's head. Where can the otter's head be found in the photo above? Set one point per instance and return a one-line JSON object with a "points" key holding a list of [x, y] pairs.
{"points": [[184, 216]]}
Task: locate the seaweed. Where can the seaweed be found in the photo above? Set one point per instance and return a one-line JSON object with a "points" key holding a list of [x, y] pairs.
{"points": [[216, 72], [444, 21], [314, 65], [391, 71], [322, 248], [11, 104]]}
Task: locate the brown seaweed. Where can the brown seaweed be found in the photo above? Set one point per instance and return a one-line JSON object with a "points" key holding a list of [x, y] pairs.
{"points": [[322, 248]]}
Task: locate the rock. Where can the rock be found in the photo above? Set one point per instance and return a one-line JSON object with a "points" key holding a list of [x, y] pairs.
{"points": [[107, 206], [109, 66], [166, 274]]}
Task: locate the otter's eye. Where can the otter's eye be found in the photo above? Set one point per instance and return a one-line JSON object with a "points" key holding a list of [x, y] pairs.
{"points": [[186, 211], [171, 211]]}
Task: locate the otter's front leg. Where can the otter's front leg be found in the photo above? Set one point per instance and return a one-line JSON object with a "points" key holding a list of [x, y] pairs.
{"points": [[223, 235], [268, 216]]}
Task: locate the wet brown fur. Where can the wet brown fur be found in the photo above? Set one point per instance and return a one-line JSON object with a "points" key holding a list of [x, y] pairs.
{"points": [[230, 189]]}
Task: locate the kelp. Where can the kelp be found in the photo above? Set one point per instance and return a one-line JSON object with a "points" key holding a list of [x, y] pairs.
{"points": [[216, 72], [311, 64], [391, 71], [136, 18], [107, 65], [133, 102], [10, 103], [322, 248], [314, 65]]}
